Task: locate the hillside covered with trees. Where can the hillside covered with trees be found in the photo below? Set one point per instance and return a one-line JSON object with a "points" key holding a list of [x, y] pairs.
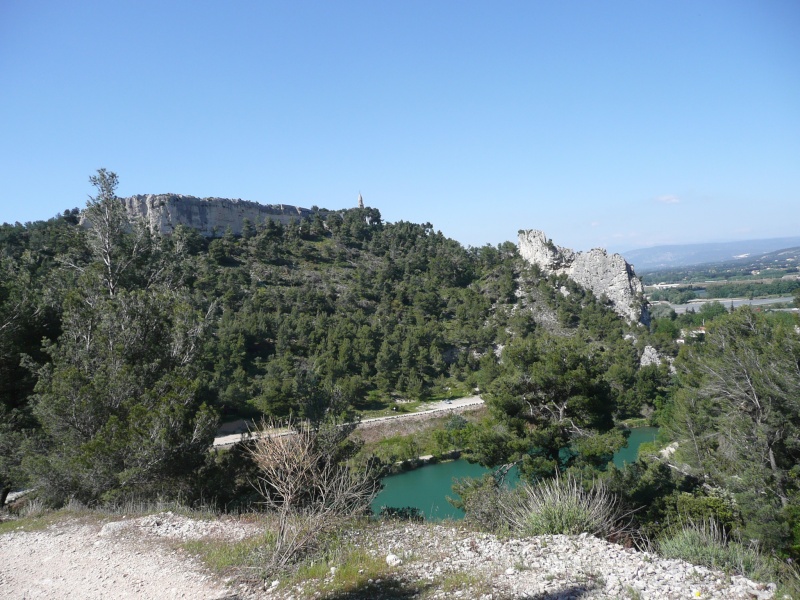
{"points": [[122, 351]]}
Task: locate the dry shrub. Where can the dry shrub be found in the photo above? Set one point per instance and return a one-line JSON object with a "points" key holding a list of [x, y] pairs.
{"points": [[304, 481]]}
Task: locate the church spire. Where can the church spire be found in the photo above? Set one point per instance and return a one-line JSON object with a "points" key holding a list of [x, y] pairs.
{"points": [[360, 201]]}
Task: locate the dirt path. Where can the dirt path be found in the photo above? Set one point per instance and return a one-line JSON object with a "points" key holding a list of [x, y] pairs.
{"points": [[88, 560]]}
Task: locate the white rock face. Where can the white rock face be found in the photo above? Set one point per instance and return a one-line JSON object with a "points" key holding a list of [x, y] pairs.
{"points": [[537, 249], [210, 216], [596, 270], [650, 356]]}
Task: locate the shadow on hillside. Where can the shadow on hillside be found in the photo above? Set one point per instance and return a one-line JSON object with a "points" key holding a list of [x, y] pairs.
{"points": [[392, 589], [387, 589], [569, 593], [369, 404], [395, 589]]}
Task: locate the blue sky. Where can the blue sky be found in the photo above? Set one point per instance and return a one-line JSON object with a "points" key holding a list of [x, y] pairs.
{"points": [[614, 123]]}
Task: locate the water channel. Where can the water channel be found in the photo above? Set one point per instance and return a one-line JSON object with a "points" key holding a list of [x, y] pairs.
{"points": [[427, 488]]}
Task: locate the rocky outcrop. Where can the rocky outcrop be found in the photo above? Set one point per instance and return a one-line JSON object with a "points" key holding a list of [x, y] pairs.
{"points": [[596, 270], [210, 216], [650, 356]]}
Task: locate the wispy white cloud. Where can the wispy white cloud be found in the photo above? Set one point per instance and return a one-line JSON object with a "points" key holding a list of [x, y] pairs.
{"points": [[668, 199]]}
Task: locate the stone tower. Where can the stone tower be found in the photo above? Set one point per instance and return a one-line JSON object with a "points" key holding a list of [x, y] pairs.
{"points": [[360, 201]]}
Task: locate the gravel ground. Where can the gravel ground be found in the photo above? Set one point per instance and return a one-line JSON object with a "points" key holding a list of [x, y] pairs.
{"points": [[553, 567], [121, 559], [433, 562], [136, 558]]}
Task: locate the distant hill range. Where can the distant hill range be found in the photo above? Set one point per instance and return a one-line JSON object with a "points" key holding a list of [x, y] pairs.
{"points": [[669, 257]]}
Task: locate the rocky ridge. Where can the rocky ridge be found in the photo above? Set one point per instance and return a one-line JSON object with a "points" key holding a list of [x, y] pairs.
{"points": [[650, 356], [162, 213], [596, 270]]}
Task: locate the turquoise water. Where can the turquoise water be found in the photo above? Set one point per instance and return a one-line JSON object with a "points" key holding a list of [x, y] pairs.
{"points": [[427, 488], [638, 436]]}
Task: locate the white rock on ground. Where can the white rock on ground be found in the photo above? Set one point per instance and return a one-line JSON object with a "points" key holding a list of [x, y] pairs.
{"points": [[393, 560], [136, 558]]}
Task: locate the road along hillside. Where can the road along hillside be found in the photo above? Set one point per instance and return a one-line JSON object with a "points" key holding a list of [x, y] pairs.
{"points": [[431, 410]]}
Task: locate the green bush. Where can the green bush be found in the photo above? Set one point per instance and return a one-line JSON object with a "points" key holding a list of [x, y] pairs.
{"points": [[793, 518], [563, 506], [718, 506], [706, 543], [480, 501]]}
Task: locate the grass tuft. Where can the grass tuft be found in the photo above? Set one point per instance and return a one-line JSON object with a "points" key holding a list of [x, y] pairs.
{"points": [[563, 507], [706, 543], [26, 524], [353, 568], [225, 558]]}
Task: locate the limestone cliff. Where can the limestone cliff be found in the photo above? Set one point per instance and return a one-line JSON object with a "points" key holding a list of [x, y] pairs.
{"points": [[210, 216], [596, 270]]}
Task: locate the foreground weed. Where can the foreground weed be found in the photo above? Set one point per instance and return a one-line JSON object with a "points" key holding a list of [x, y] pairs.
{"points": [[707, 544], [563, 507], [359, 566], [226, 557], [787, 590], [36, 517], [27, 524], [342, 569], [466, 583], [788, 581], [633, 593], [593, 579], [34, 508], [521, 566], [147, 506]]}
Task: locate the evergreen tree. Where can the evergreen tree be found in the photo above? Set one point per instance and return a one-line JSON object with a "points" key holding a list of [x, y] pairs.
{"points": [[553, 410], [736, 416], [118, 402]]}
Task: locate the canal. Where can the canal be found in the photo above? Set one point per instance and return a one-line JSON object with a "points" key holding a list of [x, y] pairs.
{"points": [[427, 488]]}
